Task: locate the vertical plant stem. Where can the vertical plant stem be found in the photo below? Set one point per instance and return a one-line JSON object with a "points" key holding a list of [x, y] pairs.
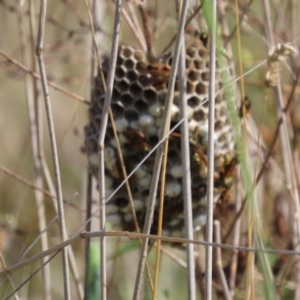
{"points": [[38, 181], [133, 23], [236, 233], [210, 155], [39, 54], [102, 131], [219, 264], [72, 261], [160, 216], [186, 179], [147, 31], [88, 227], [159, 153], [88, 241]]}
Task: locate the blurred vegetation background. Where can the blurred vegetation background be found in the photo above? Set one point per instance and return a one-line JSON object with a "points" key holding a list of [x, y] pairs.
{"points": [[68, 59]]}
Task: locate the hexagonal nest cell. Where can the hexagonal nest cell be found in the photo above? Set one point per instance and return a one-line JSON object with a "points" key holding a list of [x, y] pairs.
{"points": [[137, 105]]}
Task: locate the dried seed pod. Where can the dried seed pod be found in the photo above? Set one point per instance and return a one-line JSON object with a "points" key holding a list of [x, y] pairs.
{"points": [[278, 53]]}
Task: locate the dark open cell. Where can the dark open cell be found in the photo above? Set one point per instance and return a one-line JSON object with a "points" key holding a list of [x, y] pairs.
{"points": [[120, 72], [219, 98], [153, 140], [100, 102], [123, 86], [223, 111], [196, 181], [194, 75], [126, 99], [199, 64], [203, 52], [205, 75], [218, 125], [222, 138], [119, 60], [136, 90], [97, 121], [188, 63], [201, 89], [190, 87], [141, 105], [173, 154], [115, 95], [193, 101], [144, 80], [145, 193], [150, 95], [199, 115], [131, 115], [118, 110], [132, 75], [191, 51], [121, 201], [129, 64]]}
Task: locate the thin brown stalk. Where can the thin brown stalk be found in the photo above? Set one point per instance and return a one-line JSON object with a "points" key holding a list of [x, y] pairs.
{"points": [[159, 154], [134, 25], [88, 226], [25, 181], [102, 130], [219, 261], [186, 180], [147, 32], [39, 54], [72, 261], [171, 42], [236, 234], [210, 152], [160, 214], [173, 257], [88, 241], [38, 181], [134, 235], [37, 76]]}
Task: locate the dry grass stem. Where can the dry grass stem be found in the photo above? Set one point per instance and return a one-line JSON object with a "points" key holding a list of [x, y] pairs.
{"points": [[39, 54], [159, 153], [210, 151]]}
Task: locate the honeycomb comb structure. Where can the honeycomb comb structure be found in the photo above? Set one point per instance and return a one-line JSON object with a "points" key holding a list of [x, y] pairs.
{"points": [[137, 104]]}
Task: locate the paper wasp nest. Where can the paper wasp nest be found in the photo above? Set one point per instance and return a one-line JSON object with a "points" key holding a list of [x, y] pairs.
{"points": [[137, 104]]}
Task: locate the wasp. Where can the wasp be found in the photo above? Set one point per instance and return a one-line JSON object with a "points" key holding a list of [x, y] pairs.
{"points": [[226, 179], [156, 74], [245, 107], [204, 37], [136, 140]]}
